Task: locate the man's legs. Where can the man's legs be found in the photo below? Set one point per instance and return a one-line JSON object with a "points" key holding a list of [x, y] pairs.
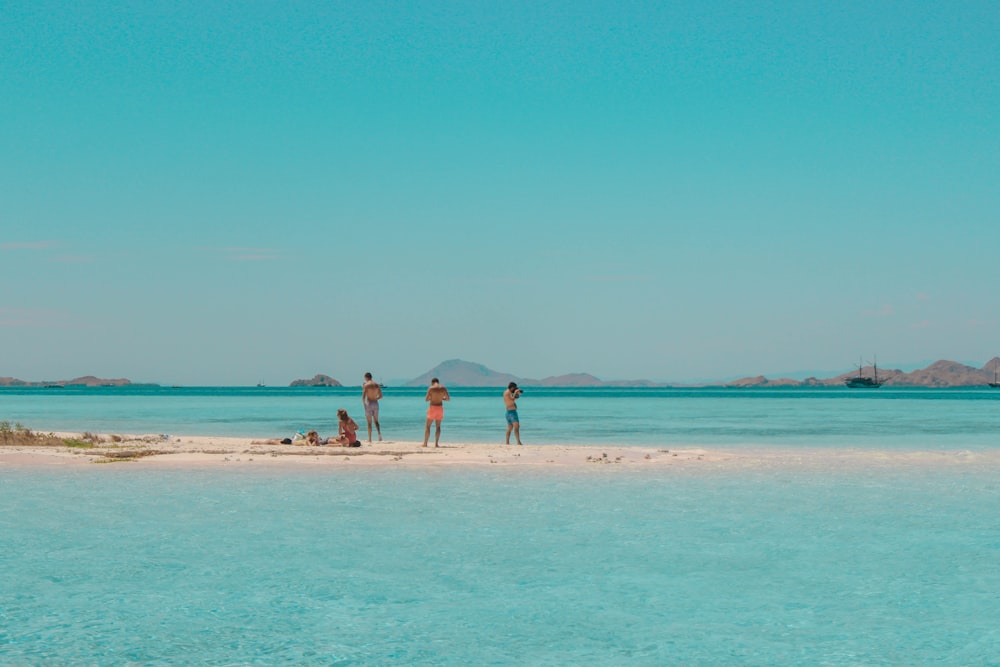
{"points": [[510, 427], [427, 430], [517, 432], [372, 414], [437, 433]]}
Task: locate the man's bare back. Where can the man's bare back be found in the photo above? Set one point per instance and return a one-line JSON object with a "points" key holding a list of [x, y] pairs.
{"points": [[373, 392], [437, 395]]}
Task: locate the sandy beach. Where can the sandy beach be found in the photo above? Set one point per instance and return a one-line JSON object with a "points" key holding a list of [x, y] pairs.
{"points": [[214, 451]]}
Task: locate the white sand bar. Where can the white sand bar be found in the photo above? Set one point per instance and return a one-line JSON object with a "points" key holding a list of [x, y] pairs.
{"points": [[198, 451]]}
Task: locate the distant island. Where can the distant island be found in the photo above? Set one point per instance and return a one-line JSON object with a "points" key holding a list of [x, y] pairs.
{"points": [[318, 380], [85, 381]]}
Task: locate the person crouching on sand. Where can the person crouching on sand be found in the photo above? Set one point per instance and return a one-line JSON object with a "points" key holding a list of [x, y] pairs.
{"points": [[436, 395], [348, 429]]}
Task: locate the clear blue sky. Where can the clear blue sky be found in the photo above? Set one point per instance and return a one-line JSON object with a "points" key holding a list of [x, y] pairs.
{"points": [[223, 193]]}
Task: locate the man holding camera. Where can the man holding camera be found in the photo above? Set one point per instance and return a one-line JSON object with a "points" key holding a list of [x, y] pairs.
{"points": [[513, 423]]}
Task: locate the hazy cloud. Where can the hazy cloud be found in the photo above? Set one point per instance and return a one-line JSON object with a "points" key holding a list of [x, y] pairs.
{"points": [[249, 254], [513, 281], [885, 311], [258, 257], [27, 245], [22, 317], [73, 259], [616, 279]]}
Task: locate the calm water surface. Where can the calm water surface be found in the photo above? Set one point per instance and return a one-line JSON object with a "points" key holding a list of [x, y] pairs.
{"points": [[114, 564], [889, 418], [117, 565]]}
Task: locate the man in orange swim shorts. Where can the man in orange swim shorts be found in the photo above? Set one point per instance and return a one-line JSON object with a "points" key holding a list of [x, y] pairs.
{"points": [[436, 395]]}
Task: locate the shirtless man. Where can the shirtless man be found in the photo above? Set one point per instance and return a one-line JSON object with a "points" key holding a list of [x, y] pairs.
{"points": [[436, 395], [371, 393], [510, 397]]}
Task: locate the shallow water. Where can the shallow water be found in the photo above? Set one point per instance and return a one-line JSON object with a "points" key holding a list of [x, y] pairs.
{"points": [[833, 417], [119, 565], [885, 565]]}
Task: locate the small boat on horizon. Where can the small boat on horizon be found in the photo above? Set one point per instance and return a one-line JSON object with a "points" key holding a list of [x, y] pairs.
{"points": [[860, 381], [995, 384]]}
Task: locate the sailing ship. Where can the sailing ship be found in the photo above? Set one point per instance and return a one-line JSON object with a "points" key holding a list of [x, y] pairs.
{"points": [[860, 381], [995, 384]]}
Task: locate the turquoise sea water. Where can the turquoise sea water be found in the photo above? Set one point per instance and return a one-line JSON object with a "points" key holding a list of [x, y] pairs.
{"points": [[840, 417], [685, 565], [115, 565]]}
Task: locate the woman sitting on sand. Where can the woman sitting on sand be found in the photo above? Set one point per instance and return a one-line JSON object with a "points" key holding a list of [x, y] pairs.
{"points": [[348, 431]]}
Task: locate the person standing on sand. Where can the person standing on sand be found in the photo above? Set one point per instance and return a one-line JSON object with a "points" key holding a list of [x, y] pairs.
{"points": [[371, 393], [436, 395], [510, 397]]}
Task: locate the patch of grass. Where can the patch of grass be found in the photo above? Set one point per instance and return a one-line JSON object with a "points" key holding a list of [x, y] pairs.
{"points": [[17, 435], [129, 455], [78, 444]]}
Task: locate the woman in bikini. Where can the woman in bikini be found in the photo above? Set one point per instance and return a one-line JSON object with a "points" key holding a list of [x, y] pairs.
{"points": [[348, 429]]}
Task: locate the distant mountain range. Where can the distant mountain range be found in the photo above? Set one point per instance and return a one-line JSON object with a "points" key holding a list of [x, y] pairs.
{"points": [[941, 373], [459, 373]]}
